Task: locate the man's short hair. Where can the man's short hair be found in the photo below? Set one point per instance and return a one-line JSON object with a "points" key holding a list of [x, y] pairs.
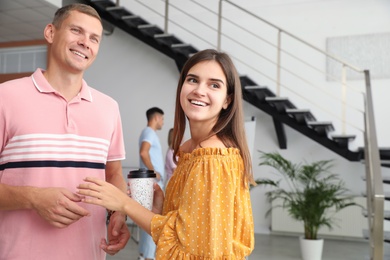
{"points": [[152, 111], [63, 12]]}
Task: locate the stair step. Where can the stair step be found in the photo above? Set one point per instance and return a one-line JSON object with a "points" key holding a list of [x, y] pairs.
{"points": [[386, 194], [302, 116], [280, 103], [167, 39], [103, 4], [386, 214], [134, 20], [322, 128], [386, 179], [343, 140], [259, 92], [118, 12], [184, 48], [150, 29], [386, 164], [384, 153]]}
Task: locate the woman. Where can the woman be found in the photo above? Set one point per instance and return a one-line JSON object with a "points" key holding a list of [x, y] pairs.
{"points": [[170, 164], [207, 211]]}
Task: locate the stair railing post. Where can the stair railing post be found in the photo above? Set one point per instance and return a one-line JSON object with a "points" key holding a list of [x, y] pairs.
{"points": [[375, 194], [117, 3], [219, 25], [344, 97], [278, 61], [166, 18]]}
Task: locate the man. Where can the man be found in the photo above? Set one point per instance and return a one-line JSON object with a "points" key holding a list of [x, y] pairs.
{"points": [[54, 131], [151, 157]]}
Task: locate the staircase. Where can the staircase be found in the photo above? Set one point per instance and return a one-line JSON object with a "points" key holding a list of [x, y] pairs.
{"points": [[281, 109]]}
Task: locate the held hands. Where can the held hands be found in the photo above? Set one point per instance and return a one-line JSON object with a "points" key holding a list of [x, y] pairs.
{"points": [[58, 206]]}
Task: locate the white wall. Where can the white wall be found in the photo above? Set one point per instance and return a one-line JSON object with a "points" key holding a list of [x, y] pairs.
{"points": [[139, 77]]}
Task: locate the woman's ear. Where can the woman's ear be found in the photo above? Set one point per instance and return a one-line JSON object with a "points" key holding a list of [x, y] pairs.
{"points": [[227, 102]]}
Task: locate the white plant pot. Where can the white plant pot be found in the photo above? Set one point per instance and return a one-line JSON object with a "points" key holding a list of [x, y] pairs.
{"points": [[311, 249]]}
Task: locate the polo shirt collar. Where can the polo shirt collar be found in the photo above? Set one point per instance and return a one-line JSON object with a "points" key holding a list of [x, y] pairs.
{"points": [[44, 86]]}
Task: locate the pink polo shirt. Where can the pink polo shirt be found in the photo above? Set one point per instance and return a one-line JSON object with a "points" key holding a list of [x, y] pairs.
{"points": [[46, 141]]}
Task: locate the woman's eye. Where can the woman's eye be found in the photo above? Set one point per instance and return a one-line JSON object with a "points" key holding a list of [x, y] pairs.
{"points": [[192, 80], [214, 85]]}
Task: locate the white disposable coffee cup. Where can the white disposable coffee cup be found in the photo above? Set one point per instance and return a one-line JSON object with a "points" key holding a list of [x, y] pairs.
{"points": [[140, 184]]}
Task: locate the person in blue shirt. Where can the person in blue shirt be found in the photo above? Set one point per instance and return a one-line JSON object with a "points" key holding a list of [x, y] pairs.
{"points": [[151, 158]]}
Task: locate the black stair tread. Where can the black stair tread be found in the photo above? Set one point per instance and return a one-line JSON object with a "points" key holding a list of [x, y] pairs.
{"points": [[335, 136], [167, 39], [321, 127], [280, 103], [249, 87], [246, 81], [259, 92], [385, 193], [150, 29], [386, 164], [319, 123], [301, 115], [384, 152], [343, 140], [103, 4], [118, 12], [386, 214], [184, 48], [386, 179], [134, 20]]}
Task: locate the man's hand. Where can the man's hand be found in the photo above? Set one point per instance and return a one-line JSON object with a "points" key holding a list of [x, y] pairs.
{"points": [[58, 206], [117, 234]]}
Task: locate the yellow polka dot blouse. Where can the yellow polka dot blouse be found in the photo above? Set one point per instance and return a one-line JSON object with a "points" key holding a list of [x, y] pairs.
{"points": [[207, 210]]}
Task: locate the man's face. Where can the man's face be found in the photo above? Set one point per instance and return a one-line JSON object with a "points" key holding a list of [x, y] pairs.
{"points": [[160, 121], [75, 44]]}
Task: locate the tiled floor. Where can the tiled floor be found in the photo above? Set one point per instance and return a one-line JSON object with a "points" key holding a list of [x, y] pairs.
{"points": [[276, 247]]}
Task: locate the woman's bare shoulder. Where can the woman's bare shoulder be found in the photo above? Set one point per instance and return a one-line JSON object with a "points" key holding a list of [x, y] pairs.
{"points": [[213, 142]]}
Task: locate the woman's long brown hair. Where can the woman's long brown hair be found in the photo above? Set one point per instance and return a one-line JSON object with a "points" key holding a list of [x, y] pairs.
{"points": [[230, 125]]}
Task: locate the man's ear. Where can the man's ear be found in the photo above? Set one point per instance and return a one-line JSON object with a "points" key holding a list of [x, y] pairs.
{"points": [[227, 102], [48, 33]]}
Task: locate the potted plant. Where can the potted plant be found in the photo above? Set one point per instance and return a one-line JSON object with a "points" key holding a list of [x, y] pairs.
{"points": [[311, 193]]}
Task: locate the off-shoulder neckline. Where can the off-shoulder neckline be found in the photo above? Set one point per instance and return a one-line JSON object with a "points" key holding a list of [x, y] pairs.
{"points": [[210, 151]]}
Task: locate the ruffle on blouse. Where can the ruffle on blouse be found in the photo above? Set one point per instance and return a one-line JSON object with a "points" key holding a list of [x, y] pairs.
{"points": [[208, 151]]}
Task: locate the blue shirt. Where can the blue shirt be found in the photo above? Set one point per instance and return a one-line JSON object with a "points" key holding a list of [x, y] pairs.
{"points": [[155, 152]]}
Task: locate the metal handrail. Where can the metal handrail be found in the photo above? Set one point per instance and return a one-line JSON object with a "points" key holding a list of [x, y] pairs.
{"points": [[374, 182]]}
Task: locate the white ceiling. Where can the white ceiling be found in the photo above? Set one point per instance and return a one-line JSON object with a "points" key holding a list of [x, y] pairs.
{"points": [[23, 20]]}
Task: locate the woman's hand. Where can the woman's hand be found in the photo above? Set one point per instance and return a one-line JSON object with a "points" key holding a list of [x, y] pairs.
{"points": [[158, 199], [102, 193]]}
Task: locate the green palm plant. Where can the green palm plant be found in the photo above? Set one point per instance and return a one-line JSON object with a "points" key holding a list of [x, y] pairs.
{"points": [[312, 193]]}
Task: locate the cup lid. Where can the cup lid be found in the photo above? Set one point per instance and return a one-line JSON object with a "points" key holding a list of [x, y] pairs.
{"points": [[142, 173]]}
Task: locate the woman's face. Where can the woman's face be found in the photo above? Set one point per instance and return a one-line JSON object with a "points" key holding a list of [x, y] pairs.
{"points": [[204, 92]]}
